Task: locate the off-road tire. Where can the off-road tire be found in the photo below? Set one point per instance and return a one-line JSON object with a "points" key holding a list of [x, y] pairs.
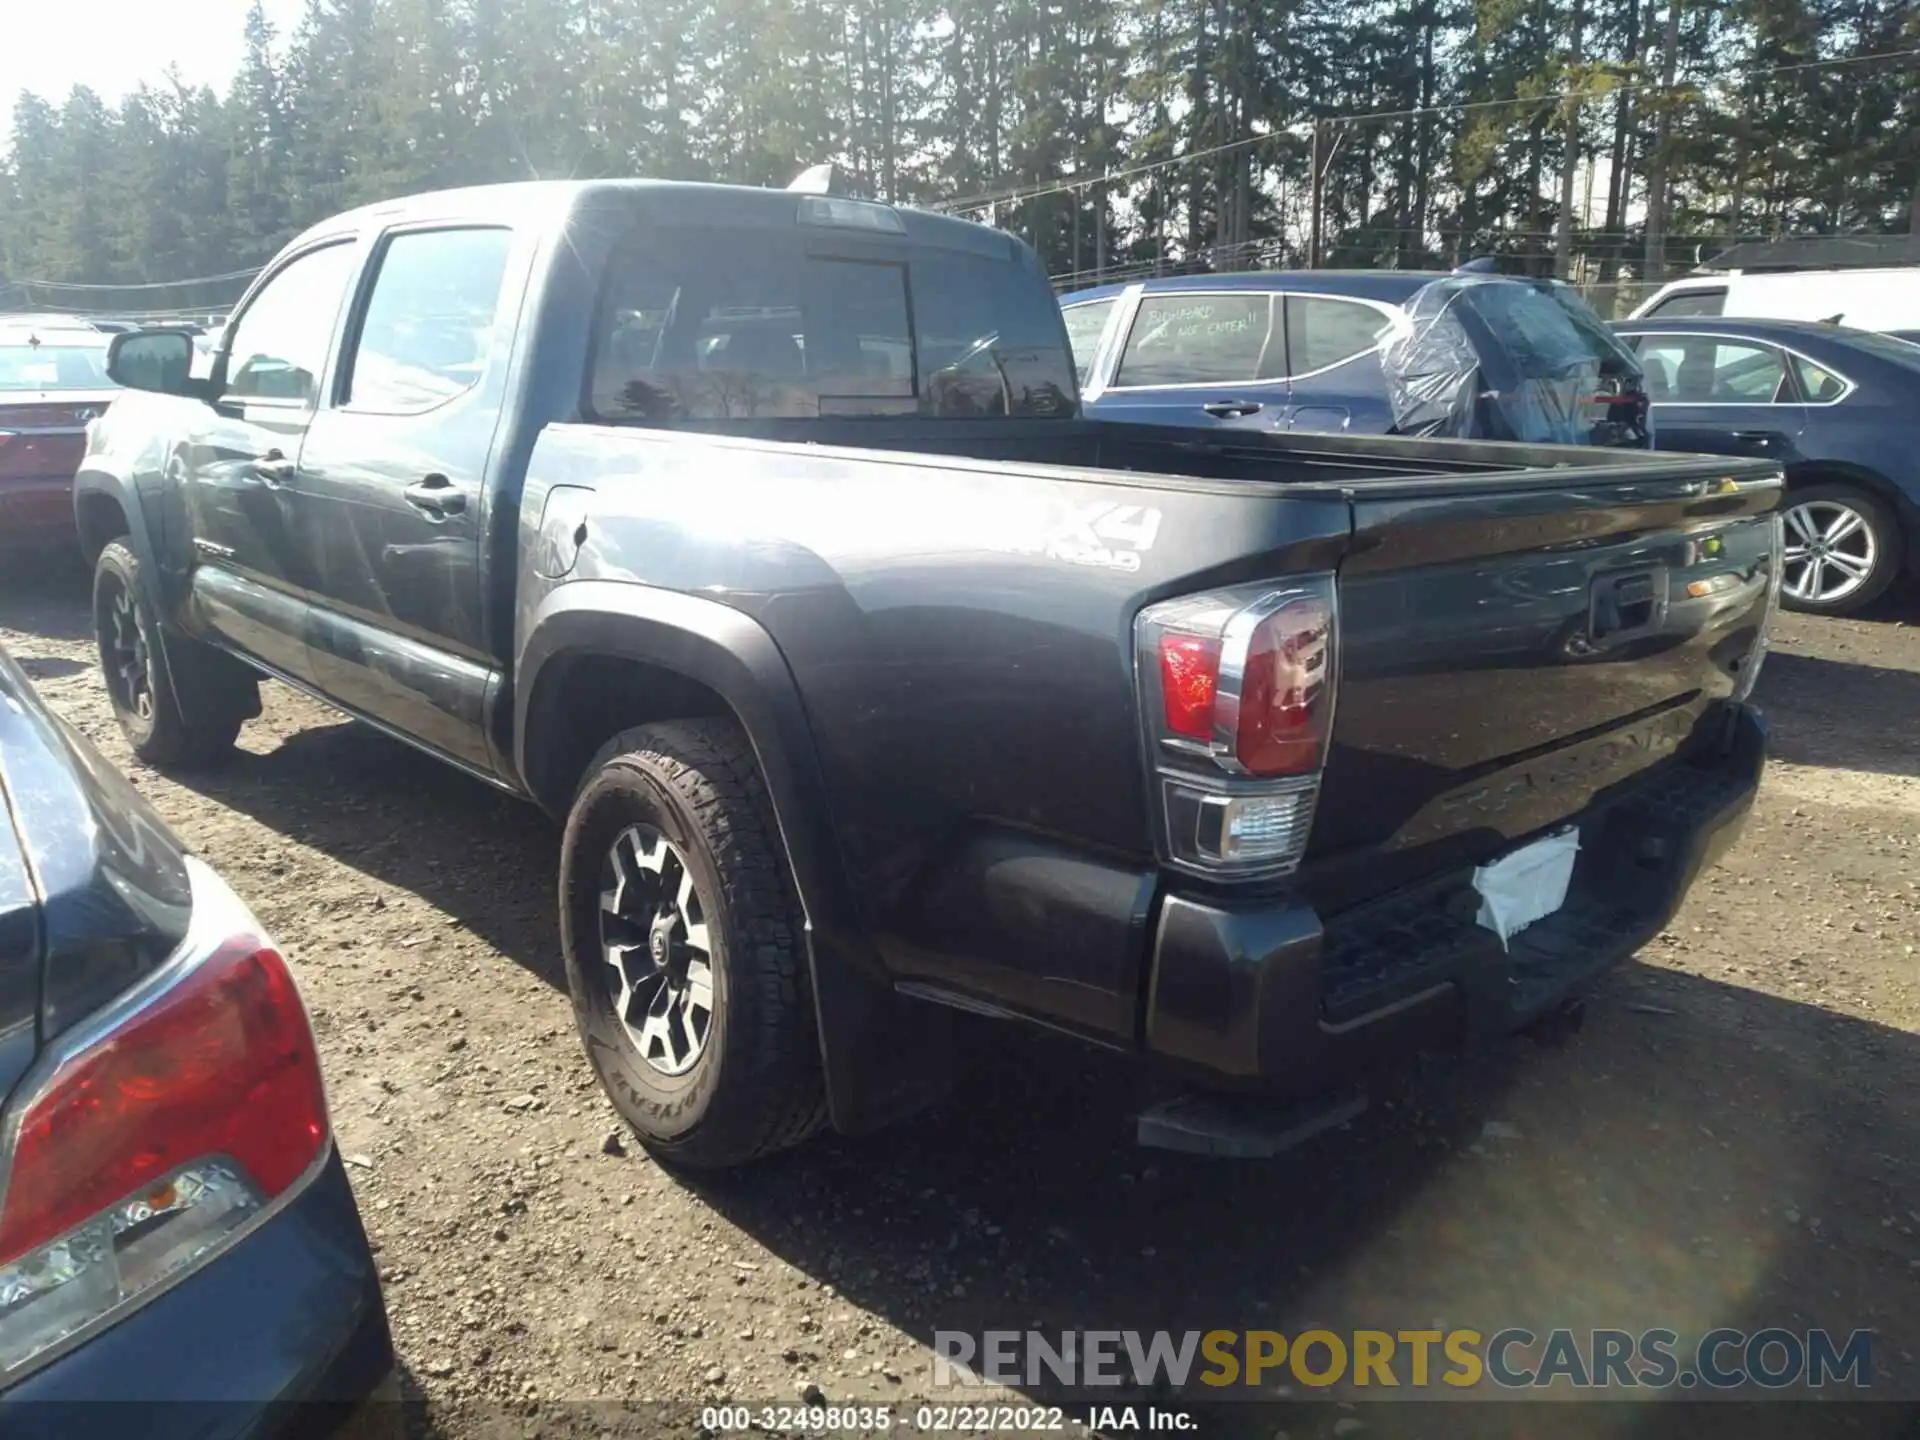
{"points": [[196, 698], [756, 1086]]}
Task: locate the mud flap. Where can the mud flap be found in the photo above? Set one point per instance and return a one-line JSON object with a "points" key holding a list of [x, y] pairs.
{"points": [[207, 683], [885, 1056]]}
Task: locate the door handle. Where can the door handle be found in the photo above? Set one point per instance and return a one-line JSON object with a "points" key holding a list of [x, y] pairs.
{"points": [[274, 469], [1756, 439], [437, 495], [1231, 409]]}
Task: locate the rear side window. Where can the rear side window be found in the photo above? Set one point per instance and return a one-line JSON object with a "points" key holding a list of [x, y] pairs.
{"points": [[1198, 338], [1322, 332], [742, 324], [429, 321], [1085, 325], [1690, 302], [1817, 383], [1702, 370]]}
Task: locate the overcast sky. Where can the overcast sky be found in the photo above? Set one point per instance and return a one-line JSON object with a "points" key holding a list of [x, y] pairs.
{"points": [[50, 46]]}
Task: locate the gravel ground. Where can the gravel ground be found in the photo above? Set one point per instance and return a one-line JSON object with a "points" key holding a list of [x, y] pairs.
{"points": [[1730, 1140]]}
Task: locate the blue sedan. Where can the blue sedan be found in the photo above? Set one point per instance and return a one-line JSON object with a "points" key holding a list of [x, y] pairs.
{"points": [[1467, 354], [1836, 407], [176, 1231]]}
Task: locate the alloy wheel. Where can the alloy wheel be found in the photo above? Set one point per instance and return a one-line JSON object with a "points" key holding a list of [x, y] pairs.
{"points": [[128, 655], [1831, 552], [659, 958]]}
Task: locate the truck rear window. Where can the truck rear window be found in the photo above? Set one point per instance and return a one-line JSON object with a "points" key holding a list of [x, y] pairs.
{"points": [[733, 324]]}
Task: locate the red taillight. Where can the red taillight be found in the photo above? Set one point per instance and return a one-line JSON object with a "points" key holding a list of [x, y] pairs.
{"points": [[222, 1064], [1189, 681], [1237, 690], [1280, 728]]}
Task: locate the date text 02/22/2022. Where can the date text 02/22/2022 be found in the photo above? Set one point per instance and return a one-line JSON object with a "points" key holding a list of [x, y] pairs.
{"points": [[944, 1419]]}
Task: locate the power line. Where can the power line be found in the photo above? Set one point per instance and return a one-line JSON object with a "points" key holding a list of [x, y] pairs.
{"points": [[1037, 191], [139, 285]]}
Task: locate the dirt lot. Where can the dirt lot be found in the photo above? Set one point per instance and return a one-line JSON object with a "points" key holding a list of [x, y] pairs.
{"points": [[1731, 1140]]}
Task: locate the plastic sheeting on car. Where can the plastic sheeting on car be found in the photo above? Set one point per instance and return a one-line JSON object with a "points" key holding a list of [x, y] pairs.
{"points": [[1493, 357]]}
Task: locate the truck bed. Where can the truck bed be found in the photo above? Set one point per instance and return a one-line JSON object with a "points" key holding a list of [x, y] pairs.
{"points": [[956, 604]]}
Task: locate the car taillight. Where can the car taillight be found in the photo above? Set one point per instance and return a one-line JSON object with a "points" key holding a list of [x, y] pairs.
{"points": [[1240, 706], [156, 1132]]}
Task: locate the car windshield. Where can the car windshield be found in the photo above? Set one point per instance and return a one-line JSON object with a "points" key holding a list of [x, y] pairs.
{"points": [[727, 324], [45, 366]]}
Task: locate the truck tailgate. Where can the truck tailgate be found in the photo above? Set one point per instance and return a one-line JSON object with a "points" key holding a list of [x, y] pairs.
{"points": [[1512, 646]]}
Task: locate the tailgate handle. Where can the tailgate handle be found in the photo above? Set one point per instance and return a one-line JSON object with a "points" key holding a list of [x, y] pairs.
{"points": [[1623, 606], [1231, 409]]}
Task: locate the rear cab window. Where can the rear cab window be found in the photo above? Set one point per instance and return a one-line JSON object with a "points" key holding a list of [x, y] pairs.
{"points": [[718, 323], [1201, 337]]}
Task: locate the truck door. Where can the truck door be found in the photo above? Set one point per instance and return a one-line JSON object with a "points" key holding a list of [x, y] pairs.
{"points": [[1200, 357], [391, 495], [251, 569]]}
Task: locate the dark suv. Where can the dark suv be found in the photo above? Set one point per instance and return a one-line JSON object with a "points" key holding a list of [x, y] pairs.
{"points": [[175, 1223]]}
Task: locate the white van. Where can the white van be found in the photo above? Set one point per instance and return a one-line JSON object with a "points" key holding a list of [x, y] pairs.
{"points": [[1867, 299]]}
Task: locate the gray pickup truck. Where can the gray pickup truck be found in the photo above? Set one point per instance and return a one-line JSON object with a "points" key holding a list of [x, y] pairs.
{"points": [[759, 539]]}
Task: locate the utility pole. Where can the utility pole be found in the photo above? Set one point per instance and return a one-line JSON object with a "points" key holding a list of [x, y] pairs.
{"points": [[1099, 233], [1316, 182]]}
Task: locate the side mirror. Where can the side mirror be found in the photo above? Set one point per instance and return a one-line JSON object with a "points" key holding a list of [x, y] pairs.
{"points": [[156, 360]]}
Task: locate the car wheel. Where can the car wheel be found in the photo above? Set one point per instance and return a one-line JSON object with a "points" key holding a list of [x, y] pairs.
{"points": [[1842, 549], [683, 948], [147, 675]]}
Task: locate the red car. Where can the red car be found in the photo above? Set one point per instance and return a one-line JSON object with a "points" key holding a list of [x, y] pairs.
{"points": [[53, 382]]}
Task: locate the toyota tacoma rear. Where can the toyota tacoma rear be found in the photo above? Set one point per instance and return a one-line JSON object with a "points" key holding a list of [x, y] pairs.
{"points": [[760, 539]]}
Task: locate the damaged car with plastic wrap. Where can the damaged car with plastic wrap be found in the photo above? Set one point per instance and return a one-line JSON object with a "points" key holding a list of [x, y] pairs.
{"points": [[1471, 355], [761, 539]]}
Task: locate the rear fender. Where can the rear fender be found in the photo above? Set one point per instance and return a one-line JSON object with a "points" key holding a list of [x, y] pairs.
{"points": [[883, 1055]]}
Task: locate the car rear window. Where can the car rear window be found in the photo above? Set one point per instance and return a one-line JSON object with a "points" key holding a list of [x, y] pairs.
{"points": [[708, 324], [53, 367], [1690, 302]]}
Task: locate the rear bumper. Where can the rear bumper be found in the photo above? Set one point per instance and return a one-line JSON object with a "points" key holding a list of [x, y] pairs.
{"points": [[1280, 999], [284, 1337], [34, 509]]}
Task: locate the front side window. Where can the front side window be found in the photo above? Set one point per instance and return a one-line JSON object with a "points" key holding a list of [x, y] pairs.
{"points": [[742, 324], [429, 321], [1323, 332], [279, 344], [1197, 338], [1085, 325]]}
